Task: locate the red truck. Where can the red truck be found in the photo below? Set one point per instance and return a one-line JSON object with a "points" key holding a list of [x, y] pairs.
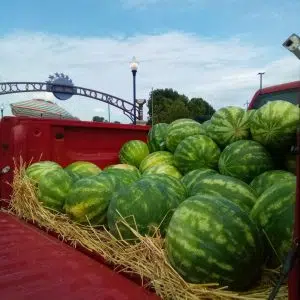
{"points": [[35, 265]]}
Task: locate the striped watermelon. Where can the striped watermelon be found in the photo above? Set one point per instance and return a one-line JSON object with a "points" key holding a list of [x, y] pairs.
{"points": [[229, 124], [125, 176], [125, 167], [269, 178], [156, 137], [227, 187], [194, 152], [179, 130], [145, 205], [211, 240], [163, 169], [274, 212], [275, 123], [205, 126], [36, 170], [245, 160], [195, 176], [74, 176], [53, 188], [89, 198], [83, 168], [133, 152], [156, 158]]}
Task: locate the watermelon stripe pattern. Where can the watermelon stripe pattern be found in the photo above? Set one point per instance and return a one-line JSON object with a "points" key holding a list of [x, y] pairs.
{"points": [[157, 158], [53, 189], [245, 160], [210, 239], [37, 170], [229, 124], [83, 168], [179, 130], [227, 187], [156, 137], [133, 152], [194, 152], [275, 123], [163, 169], [89, 198], [274, 212]]}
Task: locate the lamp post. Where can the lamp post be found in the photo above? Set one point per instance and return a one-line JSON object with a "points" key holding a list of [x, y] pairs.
{"points": [[293, 45], [134, 66], [260, 79], [140, 103], [2, 110]]}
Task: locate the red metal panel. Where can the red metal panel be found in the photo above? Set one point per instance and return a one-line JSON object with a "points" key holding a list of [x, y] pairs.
{"points": [[34, 265], [63, 141], [274, 89]]}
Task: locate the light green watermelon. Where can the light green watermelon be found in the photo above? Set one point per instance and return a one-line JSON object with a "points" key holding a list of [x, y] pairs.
{"points": [[36, 170], [267, 179], [194, 152], [133, 152], [274, 213], [227, 187], [88, 200], [145, 205], [156, 137], [125, 167], [245, 160], [193, 177], [229, 124], [163, 169], [53, 188], [83, 168], [125, 176], [205, 126], [180, 129], [275, 123], [211, 240], [156, 158]]}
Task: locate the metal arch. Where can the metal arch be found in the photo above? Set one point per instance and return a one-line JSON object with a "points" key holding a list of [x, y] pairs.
{"points": [[24, 87]]}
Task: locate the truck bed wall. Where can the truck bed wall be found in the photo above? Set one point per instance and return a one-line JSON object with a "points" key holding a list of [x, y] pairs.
{"points": [[62, 141]]}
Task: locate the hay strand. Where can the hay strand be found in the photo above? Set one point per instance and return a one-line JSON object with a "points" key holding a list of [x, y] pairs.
{"points": [[146, 258]]}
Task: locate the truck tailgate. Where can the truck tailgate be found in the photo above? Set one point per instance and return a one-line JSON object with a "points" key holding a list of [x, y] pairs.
{"points": [[34, 265]]}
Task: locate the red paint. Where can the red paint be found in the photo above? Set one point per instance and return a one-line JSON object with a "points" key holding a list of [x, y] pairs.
{"points": [[273, 89], [35, 265], [63, 141]]}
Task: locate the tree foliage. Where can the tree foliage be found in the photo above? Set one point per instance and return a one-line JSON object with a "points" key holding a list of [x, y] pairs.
{"points": [[169, 105]]}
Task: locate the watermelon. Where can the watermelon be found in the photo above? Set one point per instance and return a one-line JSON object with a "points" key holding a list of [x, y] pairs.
{"points": [[83, 168], [245, 160], [88, 200], [250, 114], [74, 176], [275, 123], [274, 213], [124, 176], [145, 205], [36, 170], [229, 124], [125, 167], [163, 169], [227, 187], [191, 178], [156, 137], [212, 240], [194, 152], [205, 126], [180, 129], [133, 152], [53, 189], [156, 158], [269, 178]]}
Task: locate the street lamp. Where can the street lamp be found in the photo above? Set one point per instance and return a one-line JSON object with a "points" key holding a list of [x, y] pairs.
{"points": [[293, 44], [260, 79], [134, 66], [140, 103], [2, 110]]}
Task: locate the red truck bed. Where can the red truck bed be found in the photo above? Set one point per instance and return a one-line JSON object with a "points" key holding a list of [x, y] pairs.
{"points": [[35, 265]]}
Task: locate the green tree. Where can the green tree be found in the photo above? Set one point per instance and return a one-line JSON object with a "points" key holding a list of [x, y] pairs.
{"points": [[99, 119], [169, 105]]}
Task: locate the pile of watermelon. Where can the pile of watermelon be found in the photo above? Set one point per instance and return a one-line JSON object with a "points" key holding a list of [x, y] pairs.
{"points": [[222, 193]]}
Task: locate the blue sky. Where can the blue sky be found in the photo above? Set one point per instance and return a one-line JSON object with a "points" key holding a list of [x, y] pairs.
{"points": [[230, 40]]}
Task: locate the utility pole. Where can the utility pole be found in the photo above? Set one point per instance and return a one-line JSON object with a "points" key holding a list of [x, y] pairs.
{"points": [[260, 79], [152, 105]]}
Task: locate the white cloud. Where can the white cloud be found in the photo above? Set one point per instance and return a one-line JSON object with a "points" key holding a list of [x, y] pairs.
{"points": [[224, 72]]}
